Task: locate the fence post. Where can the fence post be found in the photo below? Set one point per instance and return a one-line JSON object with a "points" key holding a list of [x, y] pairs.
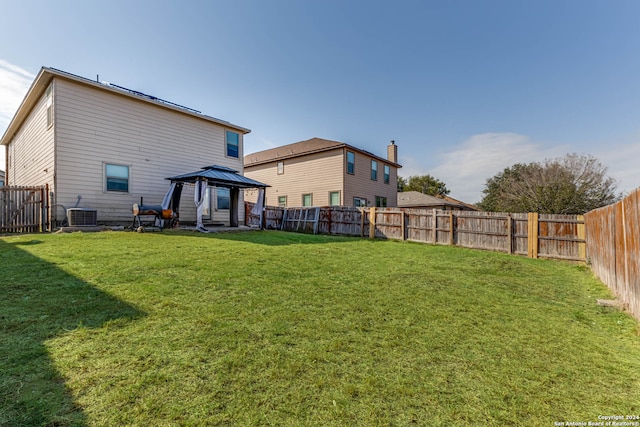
{"points": [[451, 229], [509, 233], [435, 226], [532, 235], [402, 226], [372, 223], [582, 246]]}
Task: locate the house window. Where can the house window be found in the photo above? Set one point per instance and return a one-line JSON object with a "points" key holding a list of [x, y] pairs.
{"points": [[381, 202], [280, 168], [233, 144], [387, 173], [359, 202], [351, 162], [307, 200], [334, 198], [117, 178], [374, 170], [49, 103], [222, 198], [282, 201]]}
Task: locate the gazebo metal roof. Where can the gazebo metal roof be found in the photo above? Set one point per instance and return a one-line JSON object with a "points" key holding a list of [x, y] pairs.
{"points": [[219, 176]]}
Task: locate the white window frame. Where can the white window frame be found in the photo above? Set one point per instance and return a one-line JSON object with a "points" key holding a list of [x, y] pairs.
{"points": [[49, 105], [280, 167], [105, 166], [310, 199], [339, 198]]}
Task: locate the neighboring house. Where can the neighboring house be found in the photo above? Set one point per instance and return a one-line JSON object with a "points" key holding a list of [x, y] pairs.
{"points": [[320, 172], [1, 178], [468, 206], [101, 146], [418, 200]]}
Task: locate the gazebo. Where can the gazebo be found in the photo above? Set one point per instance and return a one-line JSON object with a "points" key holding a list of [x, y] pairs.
{"points": [[214, 175]]}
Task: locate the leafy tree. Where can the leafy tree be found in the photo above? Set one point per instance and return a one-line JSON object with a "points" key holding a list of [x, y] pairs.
{"points": [[573, 184], [424, 184]]}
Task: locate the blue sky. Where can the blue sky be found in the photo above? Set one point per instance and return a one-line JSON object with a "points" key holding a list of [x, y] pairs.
{"points": [[465, 88]]}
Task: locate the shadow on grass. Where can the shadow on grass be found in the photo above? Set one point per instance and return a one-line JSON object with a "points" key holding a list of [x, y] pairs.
{"points": [[40, 301], [265, 237]]}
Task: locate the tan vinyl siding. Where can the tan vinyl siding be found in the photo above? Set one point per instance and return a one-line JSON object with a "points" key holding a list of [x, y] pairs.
{"points": [[96, 127], [361, 185], [30, 154], [315, 174]]}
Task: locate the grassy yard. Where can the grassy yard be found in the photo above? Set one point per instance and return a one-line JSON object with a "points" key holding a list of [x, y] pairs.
{"points": [[283, 329]]}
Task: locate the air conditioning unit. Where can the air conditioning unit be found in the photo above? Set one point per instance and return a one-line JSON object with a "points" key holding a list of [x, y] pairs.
{"points": [[82, 217]]}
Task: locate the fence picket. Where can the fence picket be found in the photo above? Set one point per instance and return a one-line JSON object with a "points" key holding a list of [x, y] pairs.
{"points": [[21, 209]]}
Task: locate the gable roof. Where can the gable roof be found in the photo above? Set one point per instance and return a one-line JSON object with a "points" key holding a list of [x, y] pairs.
{"points": [[45, 76], [452, 200], [302, 148], [408, 199]]}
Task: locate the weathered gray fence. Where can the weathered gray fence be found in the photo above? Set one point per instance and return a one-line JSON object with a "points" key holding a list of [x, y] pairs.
{"points": [[23, 209], [533, 235], [613, 248]]}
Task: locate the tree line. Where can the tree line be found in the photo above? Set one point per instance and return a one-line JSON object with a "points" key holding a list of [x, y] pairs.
{"points": [[573, 184]]}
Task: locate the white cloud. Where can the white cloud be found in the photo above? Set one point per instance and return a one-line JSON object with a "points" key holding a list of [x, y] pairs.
{"points": [[466, 167], [621, 160], [14, 83]]}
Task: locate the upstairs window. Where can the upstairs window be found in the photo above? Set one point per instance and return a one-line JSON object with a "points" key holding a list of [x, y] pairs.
{"points": [[374, 170], [351, 162], [387, 173], [49, 103], [117, 178], [233, 144], [280, 168]]}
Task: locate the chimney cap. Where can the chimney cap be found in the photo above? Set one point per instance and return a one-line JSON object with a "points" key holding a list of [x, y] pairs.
{"points": [[393, 142]]}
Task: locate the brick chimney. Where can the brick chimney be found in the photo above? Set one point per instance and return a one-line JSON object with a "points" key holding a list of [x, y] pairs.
{"points": [[392, 152]]}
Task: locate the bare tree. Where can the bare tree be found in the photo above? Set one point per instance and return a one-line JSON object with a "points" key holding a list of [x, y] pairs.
{"points": [[573, 184]]}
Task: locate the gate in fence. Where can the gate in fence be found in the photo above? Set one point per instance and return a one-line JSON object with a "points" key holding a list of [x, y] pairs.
{"points": [[23, 209]]}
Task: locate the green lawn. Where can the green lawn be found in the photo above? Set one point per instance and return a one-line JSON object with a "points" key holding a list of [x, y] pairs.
{"points": [[283, 329]]}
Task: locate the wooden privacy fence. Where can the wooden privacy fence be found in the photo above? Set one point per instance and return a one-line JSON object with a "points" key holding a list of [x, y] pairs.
{"points": [[23, 209], [613, 248], [532, 235]]}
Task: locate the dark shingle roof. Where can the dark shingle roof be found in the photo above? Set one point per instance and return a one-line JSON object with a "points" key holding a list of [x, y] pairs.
{"points": [[221, 175], [309, 146], [408, 199]]}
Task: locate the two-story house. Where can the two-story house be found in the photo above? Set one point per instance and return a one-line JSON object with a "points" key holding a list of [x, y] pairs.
{"points": [[321, 172], [102, 146]]}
